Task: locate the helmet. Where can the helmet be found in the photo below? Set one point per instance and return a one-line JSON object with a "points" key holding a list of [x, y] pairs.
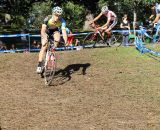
{"points": [[57, 10], [104, 9]]}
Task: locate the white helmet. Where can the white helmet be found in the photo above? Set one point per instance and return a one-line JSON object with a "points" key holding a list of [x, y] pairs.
{"points": [[104, 9], [57, 10]]}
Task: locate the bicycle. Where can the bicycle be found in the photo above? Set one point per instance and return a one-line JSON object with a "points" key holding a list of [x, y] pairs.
{"points": [[49, 63], [95, 39]]}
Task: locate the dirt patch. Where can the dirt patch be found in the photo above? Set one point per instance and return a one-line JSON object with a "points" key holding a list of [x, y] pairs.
{"points": [[95, 89]]}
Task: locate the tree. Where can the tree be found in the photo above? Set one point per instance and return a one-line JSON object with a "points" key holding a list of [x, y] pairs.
{"points": [[37, 14], [74, 10], [137, 7], [74, 14], [18, 9]]}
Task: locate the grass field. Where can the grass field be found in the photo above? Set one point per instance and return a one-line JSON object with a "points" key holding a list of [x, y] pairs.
{"points": [[103, 89]]}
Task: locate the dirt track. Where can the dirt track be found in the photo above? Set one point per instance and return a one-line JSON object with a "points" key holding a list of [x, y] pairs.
{"points": [[85, 94]]}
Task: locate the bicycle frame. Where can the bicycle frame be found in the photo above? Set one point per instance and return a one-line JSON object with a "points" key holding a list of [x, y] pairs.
{"points": [[50, 63], [94, 38], [97, 30]]}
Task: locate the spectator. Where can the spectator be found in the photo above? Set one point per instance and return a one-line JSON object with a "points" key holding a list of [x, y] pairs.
{"points": [[38, 45], [1, 43], [34, 44], [70, 37], [3, 47], [13, 47], [125, 26], [7, 19], [77, 43], [24, 39]]}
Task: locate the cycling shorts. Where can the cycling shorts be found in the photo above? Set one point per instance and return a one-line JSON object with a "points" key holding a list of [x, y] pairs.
{"points": [[113, 23]]}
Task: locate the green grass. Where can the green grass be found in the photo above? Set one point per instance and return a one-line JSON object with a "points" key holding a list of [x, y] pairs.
{"points": [[141, 71]]}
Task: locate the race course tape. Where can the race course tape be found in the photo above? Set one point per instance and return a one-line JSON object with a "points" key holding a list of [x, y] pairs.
{"points": [[24, 35], [15, 35], [141, 48], [37, 50]]}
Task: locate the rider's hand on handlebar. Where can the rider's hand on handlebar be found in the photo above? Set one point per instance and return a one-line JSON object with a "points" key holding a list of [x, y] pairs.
{"points": [[149, 21], [91, 22], [100, 28], [151, 24]]}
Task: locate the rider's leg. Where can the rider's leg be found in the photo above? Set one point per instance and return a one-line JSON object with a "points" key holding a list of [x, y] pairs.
{"points": [[41, 54], [108, 31], [108, 35], [57, 38]]}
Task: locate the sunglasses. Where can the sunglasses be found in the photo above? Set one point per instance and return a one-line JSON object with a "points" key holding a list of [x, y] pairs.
{"points": [[57, 15]]}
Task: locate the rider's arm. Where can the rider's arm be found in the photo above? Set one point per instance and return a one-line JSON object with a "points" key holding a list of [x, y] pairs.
{"points": [[157, 18], [151, 16], [96, 18], [44, 27], [64, 32], [43, 30], [106, 24], [108, 21], [44, 39], [153, 9]]}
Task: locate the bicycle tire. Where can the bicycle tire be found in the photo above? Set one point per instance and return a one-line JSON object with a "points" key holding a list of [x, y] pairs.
{"points": [[49, 67], [90, 40], [114, 40]]}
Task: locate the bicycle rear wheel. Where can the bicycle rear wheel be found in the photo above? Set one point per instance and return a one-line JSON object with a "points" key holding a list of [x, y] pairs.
{"points": [[115, 40], [49, 68]]}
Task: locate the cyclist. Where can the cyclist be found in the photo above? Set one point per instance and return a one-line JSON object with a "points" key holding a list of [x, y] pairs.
{"points": [[51, 27], [111, 19]]}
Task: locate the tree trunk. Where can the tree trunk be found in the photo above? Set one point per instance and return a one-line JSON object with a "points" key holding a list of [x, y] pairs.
{"points": [[86, 26], [134, 21]]}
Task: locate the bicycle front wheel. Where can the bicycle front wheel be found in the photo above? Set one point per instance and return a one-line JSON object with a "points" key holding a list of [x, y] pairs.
{"points": [[90, 40], [49, 68]]}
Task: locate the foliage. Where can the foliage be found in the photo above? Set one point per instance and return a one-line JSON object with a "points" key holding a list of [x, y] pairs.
{"points": [[74, 14], [37, 14], [102, 3], [19, 22], [34, 11]]}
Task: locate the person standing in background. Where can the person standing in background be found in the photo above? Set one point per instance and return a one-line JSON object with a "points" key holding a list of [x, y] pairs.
{"points": [[125, 26]]}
